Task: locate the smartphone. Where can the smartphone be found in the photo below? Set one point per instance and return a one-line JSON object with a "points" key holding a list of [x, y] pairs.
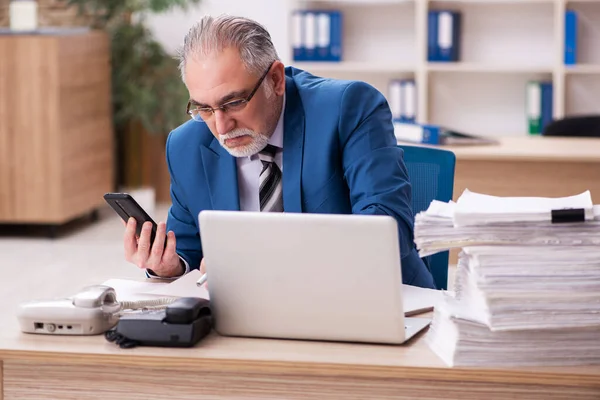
{"points": [[127, 207]]}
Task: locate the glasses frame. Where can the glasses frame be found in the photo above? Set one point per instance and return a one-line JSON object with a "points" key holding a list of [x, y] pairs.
{"points": [[223, 107]]}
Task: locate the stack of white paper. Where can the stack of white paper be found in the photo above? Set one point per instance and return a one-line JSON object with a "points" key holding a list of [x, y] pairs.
{"points": [[530, 287], [527, 290], [460, 341], [441, 228]]}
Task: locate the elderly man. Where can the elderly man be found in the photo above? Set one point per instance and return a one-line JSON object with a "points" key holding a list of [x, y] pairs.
{"points": [[270, 138]]}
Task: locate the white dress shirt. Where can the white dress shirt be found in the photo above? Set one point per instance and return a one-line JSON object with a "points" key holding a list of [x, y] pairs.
{"points": [[248, 172]]}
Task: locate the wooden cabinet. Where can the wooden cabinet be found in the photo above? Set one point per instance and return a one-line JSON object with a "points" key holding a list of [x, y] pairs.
{"points": [[56, 135]]}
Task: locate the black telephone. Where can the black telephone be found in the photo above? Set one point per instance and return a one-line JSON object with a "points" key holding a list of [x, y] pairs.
{"points": [[182, 323]]}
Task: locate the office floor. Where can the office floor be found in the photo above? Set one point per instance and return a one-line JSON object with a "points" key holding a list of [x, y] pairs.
{"points": [[31, 265]]}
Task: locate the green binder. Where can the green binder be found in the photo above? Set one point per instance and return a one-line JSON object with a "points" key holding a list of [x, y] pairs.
{"points": [[534, 107]]}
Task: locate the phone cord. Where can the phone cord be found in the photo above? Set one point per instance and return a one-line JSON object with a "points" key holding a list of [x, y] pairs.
{"points": [[162, 302]]}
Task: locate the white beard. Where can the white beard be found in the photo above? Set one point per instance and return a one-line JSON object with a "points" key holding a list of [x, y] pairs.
{"points": [[258, 142]]}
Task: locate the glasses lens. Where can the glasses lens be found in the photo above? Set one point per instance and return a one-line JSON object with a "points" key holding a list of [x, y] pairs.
{"points": [[195, 116], [236, 105], [200, 115]]}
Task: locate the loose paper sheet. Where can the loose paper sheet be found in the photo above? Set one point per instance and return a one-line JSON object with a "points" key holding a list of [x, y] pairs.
{"points": [[183, 287], [416, 300]]}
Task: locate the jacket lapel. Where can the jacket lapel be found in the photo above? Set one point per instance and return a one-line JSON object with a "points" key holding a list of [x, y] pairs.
{"points": [[293, 148], [221, 176]]}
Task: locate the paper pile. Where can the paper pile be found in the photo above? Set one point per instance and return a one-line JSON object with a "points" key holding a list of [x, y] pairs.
{"points": [[459, 341], [444, 226], [527, 285]]}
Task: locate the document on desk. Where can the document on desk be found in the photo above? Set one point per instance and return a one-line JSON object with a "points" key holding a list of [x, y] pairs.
{"points": [[132, 290], [416, 300], [183, 287]]}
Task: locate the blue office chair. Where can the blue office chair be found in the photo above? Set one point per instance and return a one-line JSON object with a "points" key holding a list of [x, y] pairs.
{"points": [[431, 173]]}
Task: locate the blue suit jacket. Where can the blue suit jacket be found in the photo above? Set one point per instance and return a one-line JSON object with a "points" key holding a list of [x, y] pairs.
{"points": [[339, 157]]}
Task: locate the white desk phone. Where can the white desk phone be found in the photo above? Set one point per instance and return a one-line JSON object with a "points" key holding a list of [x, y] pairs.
{"points": [[94, 310], [167, 321]]}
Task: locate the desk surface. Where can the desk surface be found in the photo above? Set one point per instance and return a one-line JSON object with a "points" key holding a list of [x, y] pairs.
{"points": [[532, 148], [411, 360]]}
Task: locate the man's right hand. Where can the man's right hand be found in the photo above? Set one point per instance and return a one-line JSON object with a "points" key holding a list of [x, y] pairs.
{"points": [[162, 260]]}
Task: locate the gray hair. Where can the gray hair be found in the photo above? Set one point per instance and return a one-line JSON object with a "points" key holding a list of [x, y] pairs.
{"points": [[215, 34]]}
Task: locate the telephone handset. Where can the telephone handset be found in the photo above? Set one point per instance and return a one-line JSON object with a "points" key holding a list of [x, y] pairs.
{"points": [[92, 311], [182, 323], [97, 296]]}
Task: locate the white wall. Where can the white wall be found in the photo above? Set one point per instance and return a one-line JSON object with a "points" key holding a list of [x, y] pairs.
{"points": [[171, 28]]}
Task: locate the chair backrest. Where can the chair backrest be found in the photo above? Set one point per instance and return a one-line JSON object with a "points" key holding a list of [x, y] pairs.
{"points": [[431, 173]]}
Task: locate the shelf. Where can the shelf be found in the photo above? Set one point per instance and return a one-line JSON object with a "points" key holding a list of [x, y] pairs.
{"points": [[359, 67], [504, 44], [582, 69], [588, 32], [479, 104], [382, 35], [505, 33], [367, 3], [433, 2], [581, 94], [488, 68], [377, 75]]}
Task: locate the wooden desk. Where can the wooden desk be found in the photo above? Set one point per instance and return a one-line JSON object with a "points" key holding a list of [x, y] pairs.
{"points": [[51, 367], [529, 166]]}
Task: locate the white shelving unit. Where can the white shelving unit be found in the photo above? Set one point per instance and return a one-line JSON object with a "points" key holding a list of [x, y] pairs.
{"points": [[504, 44]]}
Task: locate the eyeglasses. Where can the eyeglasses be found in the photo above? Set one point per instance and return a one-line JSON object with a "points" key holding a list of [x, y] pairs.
{"points": [[202, 114]]}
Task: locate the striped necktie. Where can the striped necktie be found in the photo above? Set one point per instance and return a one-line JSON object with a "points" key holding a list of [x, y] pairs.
{"points": [[270, 185]]}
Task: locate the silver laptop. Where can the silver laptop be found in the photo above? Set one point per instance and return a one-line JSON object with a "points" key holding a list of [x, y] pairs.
{"points": [[306, 276]]}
